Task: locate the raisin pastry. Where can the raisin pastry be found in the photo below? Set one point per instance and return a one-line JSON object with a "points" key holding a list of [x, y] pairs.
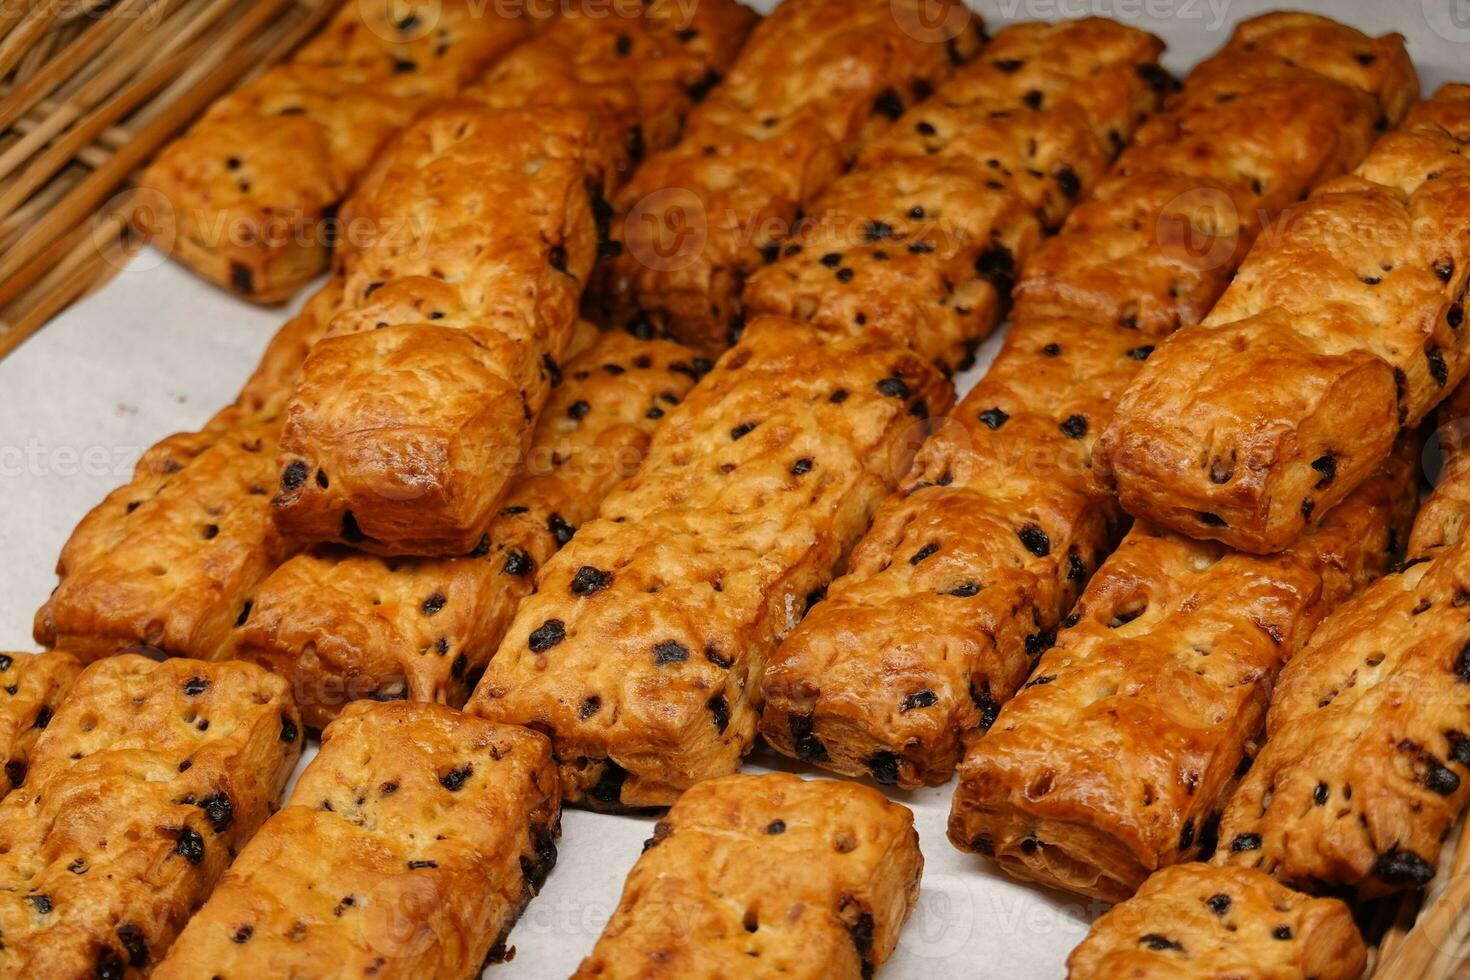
{"points": [[817, 79], [1367, 763], [1340, 339], [638, 67], [34, 684], [342, 625], [408, 849], [923, 239], [412, 413], [248, 194], [170, 559], [1114, 758], [1196, 921], [962, 580], [764, 876], [1442, 517], [148, 780], [642, 649]]}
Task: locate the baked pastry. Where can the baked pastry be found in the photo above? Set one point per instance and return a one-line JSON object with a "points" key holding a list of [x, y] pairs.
{"points": [[1367, 763], [342, 625], [1441, 518], [962, 580], [169, 560], [817, 79], [147, 781], [34, 684], [410, 845], [1341, 339], [1114, 758], [770, 875], [410, 415], [638, 67], [1193, 920], [641, 651], [247, 197], [921, 242]]}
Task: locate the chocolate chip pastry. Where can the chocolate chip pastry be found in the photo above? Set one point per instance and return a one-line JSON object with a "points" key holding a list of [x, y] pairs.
{"points": [[1115, 757], [765, 876], [33, 685], [246, 197], [147, 781], [412, 413], [817, 79], [342, 625], [1292, 390], [1193, 920], [921, 242], [408, 849], [1366, 766], [966, 571], [641, 651]]}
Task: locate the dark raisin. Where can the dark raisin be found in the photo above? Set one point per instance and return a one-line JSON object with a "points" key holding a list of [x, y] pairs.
{"points": [[131, 936], [293, 476], [719, 710], [808, 747], [712, 654], [1073, 426], [1076, 570], [876, 231], [1398, 867], [517, 563], [1440, 780], [776, 827], [669, 652], [884, 767], [454, 779], [985, 703], [1141, 352], [242, 934], [1245, 842], [889, 104], [433, 604], [109, 964], [241, 278], [41, 903], [1219, 904], [1320, 793], [189, 846], [1009, 65], [289, 731], [590, 707], [1155, 77], [923, 553], [1438, 370], [1327, 466], [838, 397], [1186, 835], [589, 580], [195, 685], [560, 530], [608, 790], [547, 635], [893, 388], [701, 88], [219, 809], [1034, 98], [965, 590], [742, 430], [1035, 540], [1281, 932], [801, 466], [418, 865], [350, 531], [994, 418], [919, 699], [997, 266], [1068, 183], [1155, 941]]}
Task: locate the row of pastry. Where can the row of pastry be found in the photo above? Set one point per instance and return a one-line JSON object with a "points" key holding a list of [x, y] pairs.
{"points": [[396, 493]]}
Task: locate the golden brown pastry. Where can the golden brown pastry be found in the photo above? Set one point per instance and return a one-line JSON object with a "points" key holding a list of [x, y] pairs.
{"points": [[170, 559], [1195, 921], [642, 649], [33, 686], [817, 79], [921, 242], [1329, 340], [147, 781], [342, 625], [961, 581], [765, 876], [1115, 757], [408, 417], [1441, 518], [248, 195], [411, 843], [1366, 766]]}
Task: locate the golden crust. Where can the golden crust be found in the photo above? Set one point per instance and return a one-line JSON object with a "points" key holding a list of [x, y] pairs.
{"points": [[1365, 769], [638, 67], [342, 625], [410, 845], [408, 418], [769, 875], [1342, 329], [816, 80], [922, 241], [1197, 921], [1442, 517], [147, 781], [34, 685], [750, 496], [918, 646], [1114, 757], [250, 189], [169, 560]]}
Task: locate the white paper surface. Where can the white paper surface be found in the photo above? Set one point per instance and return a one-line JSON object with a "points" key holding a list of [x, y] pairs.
{"points": [[157, 351]]}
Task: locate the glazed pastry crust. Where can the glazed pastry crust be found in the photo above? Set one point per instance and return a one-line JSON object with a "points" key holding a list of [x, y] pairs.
{"points": [[764, 876], [816, 80], [1194, 920], [170, 559], [1333, 331], [245, 196], [1441, 518], [944, 607], [411, 414], [342, 625], [145, 784], [752, 493], [923, 240], [411, 843], [1114, 757], [34, 685], [1367, 763]]}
